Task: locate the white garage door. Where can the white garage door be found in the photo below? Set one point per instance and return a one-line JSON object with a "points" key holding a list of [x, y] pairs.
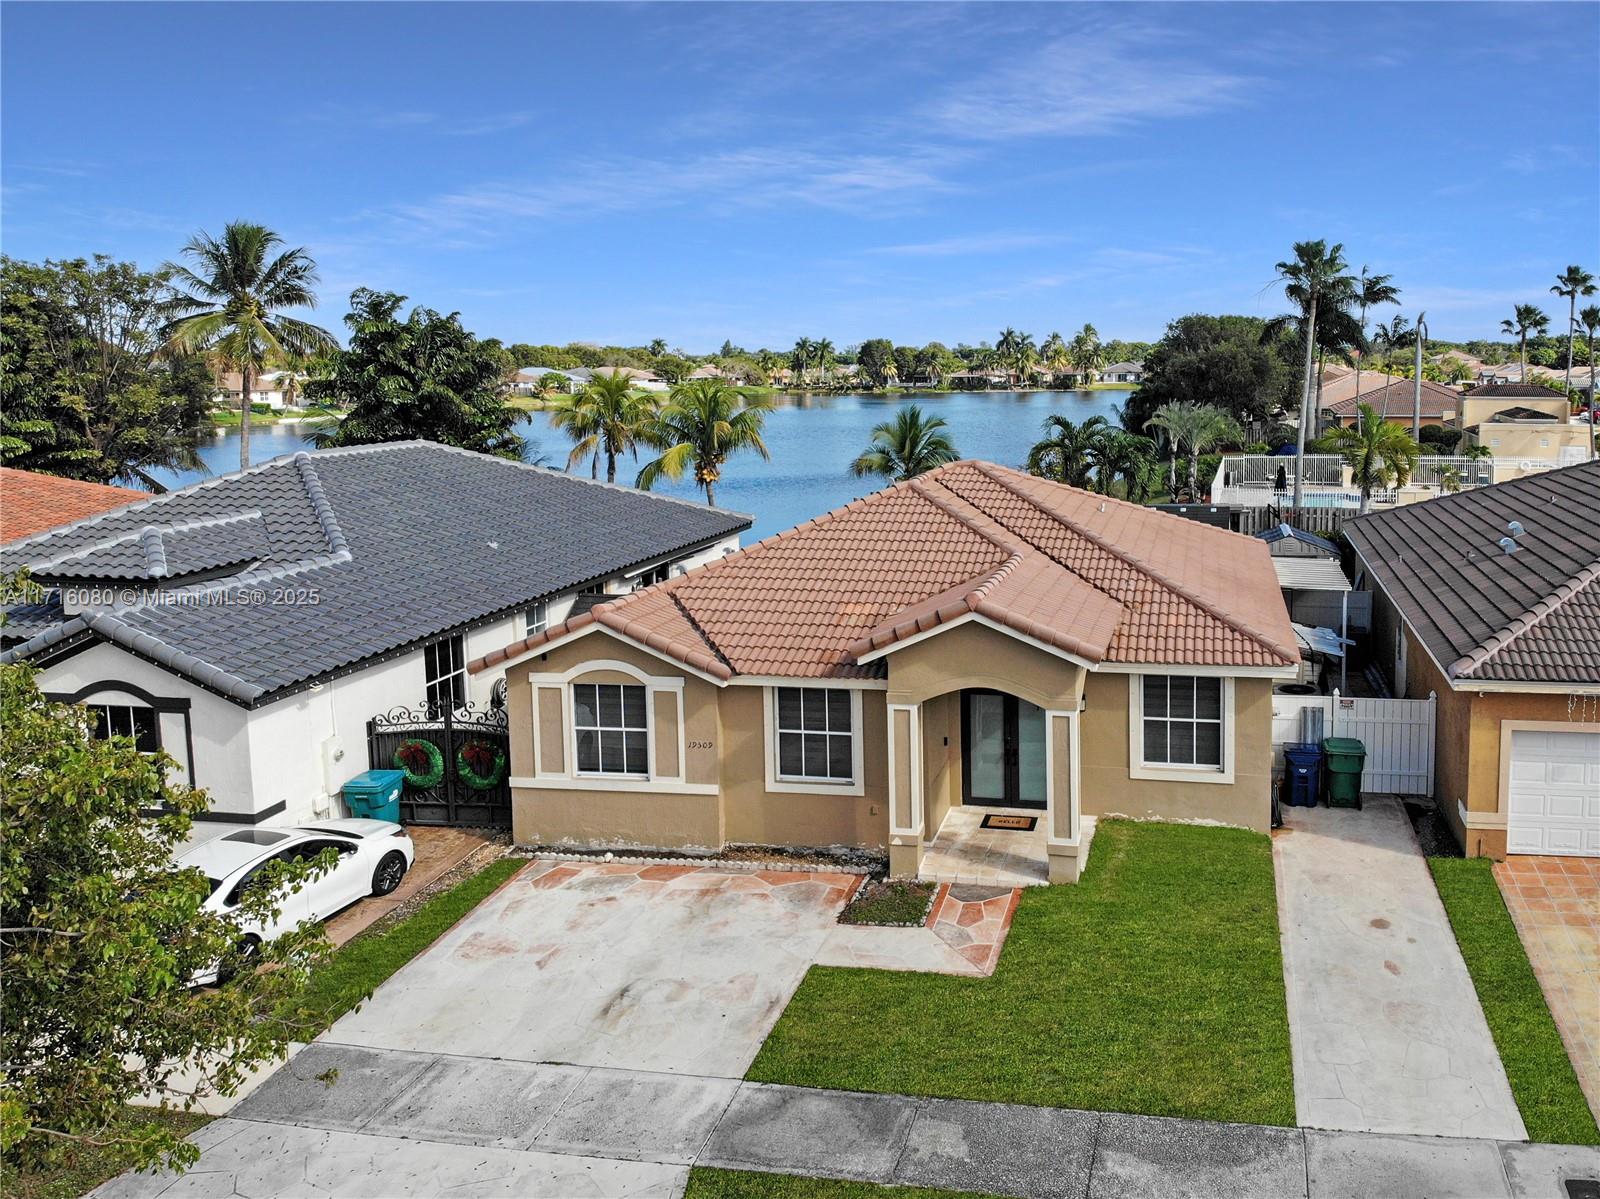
{"points": [[1555, 794]]}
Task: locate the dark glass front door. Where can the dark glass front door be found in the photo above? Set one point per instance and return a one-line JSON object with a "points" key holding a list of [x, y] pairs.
{"points": [[1002, 759]]}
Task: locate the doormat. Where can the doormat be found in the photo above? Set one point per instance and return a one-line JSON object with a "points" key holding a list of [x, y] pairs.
{"points": [[1018, 824]]}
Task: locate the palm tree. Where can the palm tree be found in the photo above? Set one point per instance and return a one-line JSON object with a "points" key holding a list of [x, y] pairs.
{"points": [[1589, 320], [658, 347], [1125, 456], [1169, 423], [1087, 354], [911, 444], [1389, 337], [1525, 319], [1065, 452], [1006, 347], [1371, 291], [1378, 453], [605, 418], [822, 351], [1053, 352], [800, 358], [1572, 283], [703, 423], [1316, 279], [232, 304]]}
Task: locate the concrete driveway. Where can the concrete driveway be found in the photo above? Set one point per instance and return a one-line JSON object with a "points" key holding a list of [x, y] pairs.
{"points": [[1385, 1026], [673, 968]]}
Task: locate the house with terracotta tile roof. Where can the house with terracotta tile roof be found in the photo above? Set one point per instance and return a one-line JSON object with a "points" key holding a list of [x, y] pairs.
{"points": [[973, 641], [31, 503]]}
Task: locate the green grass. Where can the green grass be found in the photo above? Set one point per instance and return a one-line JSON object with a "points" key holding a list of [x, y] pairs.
{"points": [[87, 1167], [706, 1183], [356, 968], [1153, 985], [1541, 1075], [894, 901]]}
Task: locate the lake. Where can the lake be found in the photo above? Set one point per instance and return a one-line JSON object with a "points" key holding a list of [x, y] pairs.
{"points": [[812, 440]]}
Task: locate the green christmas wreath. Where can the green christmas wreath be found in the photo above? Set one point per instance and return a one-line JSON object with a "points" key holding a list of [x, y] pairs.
{"points": [[422, 762], [481, 764]]}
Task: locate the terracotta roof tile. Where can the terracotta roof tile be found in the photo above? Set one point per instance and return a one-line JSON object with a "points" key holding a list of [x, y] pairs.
{"points": [[31, 503], [1099, 578]]}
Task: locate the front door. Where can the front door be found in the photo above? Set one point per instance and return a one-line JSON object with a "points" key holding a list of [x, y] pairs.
{"points": [[1002, 763]]}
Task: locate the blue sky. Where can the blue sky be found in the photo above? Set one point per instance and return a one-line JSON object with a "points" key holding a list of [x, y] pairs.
{"points": [[615, 173]]}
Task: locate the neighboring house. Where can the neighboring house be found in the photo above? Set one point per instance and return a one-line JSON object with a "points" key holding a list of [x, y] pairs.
{"points": [[1123, 372], [31, 503], [975, 636], [643, 380], [275, 389], [250, 625], [1532, 437], [1483, 403], [529, 380], [1395, 401], [1316, 592], [1491, 600]]}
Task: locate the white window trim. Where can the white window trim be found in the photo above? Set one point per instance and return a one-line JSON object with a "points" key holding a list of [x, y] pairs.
{"points": [[460, 672], [1160, 771], [568, 777], [782, 785], [649, 735]]}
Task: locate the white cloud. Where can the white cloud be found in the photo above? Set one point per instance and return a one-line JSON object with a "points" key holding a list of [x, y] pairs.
{"points": [[973, 243]]}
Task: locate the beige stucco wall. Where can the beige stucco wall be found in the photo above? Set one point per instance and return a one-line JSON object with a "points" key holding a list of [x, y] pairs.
{"points": [[1541, 443], [972, 655], [1109, 788], [1475, 412]]}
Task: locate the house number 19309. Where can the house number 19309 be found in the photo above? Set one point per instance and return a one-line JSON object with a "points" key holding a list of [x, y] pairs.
{"points": [[699, 745]]}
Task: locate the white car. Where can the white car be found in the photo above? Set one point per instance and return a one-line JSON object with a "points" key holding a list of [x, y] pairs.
{"points": [[374, 856]]}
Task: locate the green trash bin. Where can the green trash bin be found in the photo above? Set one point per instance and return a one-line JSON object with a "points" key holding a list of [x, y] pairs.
{"points": [[1345, 757]]}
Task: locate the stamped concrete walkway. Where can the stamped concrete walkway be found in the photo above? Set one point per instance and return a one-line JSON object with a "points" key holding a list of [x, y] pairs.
{"points": [[1385, 1026], [342, 1121]]}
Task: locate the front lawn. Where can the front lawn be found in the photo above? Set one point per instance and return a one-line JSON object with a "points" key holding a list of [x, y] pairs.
{"points": [[1154, 985], [707, 1183], [1536, 1062]]}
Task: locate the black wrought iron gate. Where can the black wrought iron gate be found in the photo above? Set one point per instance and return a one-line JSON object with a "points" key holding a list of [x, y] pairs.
{"points": [[457, 764]]}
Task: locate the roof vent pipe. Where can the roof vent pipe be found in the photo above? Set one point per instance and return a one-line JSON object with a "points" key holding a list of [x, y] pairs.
{"points": [[1507, 545], [1514, 528]]}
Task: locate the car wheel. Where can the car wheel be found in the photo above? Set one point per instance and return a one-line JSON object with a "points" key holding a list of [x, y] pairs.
{"points": [[246, 950], [389, 873]]}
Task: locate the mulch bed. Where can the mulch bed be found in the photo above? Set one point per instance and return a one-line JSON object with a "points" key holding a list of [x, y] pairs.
{"points": [[893, 902]]}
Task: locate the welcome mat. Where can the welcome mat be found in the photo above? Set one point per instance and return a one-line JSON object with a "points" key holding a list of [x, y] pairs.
{"points": [[1016, 824]]}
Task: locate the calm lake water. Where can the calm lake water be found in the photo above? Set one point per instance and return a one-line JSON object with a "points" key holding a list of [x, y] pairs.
{"points": [[812, 440]]}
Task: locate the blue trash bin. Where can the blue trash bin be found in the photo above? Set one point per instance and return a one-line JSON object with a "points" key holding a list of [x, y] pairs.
{"points": [[375, 794], [1302, 764]]}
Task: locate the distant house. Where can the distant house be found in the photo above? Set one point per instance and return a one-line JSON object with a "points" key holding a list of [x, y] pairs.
{"points": [[1490, 600], [275, 389], [642, 379], [1123, 372], [530, 379], [251, 626], [1532, 436], [31, 503], [1395, 401]]}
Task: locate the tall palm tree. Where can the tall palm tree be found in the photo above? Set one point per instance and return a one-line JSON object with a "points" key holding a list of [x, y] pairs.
{"points": [[1087, 354], [1125, 456], [822, 351], [1525, 319], [703, 423], [1589, 319], [658, 347], [1064, 452], [911, 444], [232, 304], [604, 419], [1316, 280], [1379, 453], [1006, 347], [1371, 292], [1053, 352], [1389, 338], [800, 358], [1169, 422], [1572, 283]]}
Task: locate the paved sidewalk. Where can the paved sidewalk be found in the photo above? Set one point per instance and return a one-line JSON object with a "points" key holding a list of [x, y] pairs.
{"points": [[345, 1120], [1385, 1026]]}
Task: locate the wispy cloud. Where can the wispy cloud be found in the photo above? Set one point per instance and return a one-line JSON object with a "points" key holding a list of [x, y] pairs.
{"points": [[380, 119], [974, 243], [1102, 80]]}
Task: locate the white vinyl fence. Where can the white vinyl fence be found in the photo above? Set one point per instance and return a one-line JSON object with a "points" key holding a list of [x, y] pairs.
{"points": [[1398, 734]]}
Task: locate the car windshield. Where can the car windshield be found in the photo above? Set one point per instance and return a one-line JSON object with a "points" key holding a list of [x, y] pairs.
{"points": [[215, 884]]}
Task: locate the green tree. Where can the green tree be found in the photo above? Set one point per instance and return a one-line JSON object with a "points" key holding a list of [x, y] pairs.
{"points": [[1195, 429], [421, 377], [605, 419], [1065, 453], [1379, 453], [1318, 283], [703, 424], [1589, 320], [1226, 361], [875, 358], [1372, 291], [1525, 319], [1572, 283], [911, 444], [84, 390], [800, 359], [233, 306], [672, 368], [1124, 456], [99, 937], [658, 347], [1088, 355]]}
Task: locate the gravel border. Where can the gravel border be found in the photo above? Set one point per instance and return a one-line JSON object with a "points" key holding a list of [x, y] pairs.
{"points": [[922, 922], [742, 865]]}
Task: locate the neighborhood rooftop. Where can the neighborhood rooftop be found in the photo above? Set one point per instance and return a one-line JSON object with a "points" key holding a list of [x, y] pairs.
{"points": [[1097, 578], [359, 552], [1484, 613], [31, 503], [1397, 397]]}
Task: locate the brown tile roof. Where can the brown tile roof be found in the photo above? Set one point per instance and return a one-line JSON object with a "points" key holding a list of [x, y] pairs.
{"points": [[1099, 578], [1525, 391], [1529, 616], [1395, 399], [31, 503]]}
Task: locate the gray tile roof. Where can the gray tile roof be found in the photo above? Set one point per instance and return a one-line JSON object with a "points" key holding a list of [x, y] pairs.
{"points": [[1531, 616], [342, 556]]}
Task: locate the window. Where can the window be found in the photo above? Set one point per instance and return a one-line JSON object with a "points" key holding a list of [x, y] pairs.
{"points": [[445, 670], [125, 720], [538, 617], [612, 728], [656, 574], [814, 734], [1182, 718]]}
